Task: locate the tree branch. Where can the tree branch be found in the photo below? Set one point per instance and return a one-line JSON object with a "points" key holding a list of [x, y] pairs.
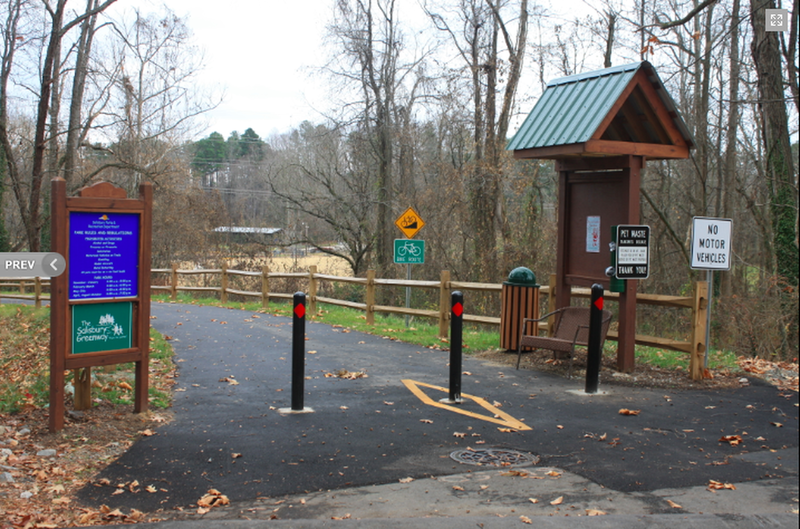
{"points": [[672, 234], [688, 17]]}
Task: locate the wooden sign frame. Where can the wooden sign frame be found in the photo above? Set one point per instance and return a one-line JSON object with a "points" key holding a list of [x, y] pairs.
{"points": [[102, 198]]}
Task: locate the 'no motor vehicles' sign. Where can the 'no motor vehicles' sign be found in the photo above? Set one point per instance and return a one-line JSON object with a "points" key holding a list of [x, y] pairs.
{"points": [[711, 243]]}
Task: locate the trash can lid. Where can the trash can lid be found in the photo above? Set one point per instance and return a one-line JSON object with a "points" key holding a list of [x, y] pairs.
{"points": [[521, 277]]}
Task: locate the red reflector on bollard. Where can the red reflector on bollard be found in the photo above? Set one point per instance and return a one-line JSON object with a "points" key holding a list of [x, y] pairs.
{"points": [[300, 311], [599, 303], [458, 309]]}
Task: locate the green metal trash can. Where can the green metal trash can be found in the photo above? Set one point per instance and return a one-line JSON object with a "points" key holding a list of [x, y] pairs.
{"points": [[520, 299]]}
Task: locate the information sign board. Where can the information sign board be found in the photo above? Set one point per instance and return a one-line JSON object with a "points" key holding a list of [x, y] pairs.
{"points": [[408, 251], [102, 327], [711, 243], [103, 255], [593, 234], [633, 252], [409, 222]]}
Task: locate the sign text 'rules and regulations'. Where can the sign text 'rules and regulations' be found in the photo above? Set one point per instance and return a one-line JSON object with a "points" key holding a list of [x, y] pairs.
{"points": [[711, 243]]}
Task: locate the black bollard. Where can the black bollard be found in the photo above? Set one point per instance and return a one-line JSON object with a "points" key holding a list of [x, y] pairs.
{"points": [[456, 331], [594, 353], [298, 350]]}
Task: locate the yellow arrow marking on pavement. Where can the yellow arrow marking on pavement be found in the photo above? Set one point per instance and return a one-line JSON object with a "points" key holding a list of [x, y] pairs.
{"points": [[499, 417]]}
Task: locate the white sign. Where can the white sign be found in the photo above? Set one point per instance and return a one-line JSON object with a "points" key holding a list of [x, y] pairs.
{"points": [[711, 243], [593, 234], [633, 252]]}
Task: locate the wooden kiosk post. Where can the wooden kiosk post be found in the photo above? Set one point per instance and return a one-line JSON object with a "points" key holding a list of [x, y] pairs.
{"points": [[601, 127], [100, 305]]}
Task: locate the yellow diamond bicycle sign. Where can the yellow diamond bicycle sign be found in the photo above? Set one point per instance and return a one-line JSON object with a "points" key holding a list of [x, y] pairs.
{"points": [[409, 222]]}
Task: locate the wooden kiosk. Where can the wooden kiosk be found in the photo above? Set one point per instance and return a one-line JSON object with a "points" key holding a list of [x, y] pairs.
{"points": [[600, 127], [100, 305]]}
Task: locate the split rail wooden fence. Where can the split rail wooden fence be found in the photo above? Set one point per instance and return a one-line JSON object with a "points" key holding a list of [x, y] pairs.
{"points": [[695, 303]]}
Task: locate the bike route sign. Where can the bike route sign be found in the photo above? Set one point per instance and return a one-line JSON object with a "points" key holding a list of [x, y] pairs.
{"points": [[409, 251], [409, 223]]}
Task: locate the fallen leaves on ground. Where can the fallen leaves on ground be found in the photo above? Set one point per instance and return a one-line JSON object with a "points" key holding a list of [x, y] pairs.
{"points": [[89, 441], [733, 440], [718, 485], [525, 519], [595, 512], [83, 448], [626, 411], [213, 498], [347, 375], [674, 505], [230, 380], [557, 501], [406, 480], [514, 473]]}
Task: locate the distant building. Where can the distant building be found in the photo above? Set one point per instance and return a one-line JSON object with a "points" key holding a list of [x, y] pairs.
{"points": [[246, 234]]}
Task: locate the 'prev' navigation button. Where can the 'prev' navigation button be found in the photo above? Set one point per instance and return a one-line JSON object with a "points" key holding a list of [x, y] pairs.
{"points": [[31, 264], [54, 264]]}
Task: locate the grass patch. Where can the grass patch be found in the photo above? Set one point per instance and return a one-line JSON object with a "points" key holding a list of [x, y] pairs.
{"points": [[25, 364], [667, 359], [423, 332]]}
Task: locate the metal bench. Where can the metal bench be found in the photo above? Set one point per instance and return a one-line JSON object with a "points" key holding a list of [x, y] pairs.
{"points": [[571, 328]]}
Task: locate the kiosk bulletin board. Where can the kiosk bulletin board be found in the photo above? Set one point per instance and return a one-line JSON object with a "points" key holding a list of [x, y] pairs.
{"points": [[99, 308]]}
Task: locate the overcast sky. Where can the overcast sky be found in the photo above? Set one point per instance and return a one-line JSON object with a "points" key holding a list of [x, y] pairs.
{"points": [[259, 53], [263, 55]]}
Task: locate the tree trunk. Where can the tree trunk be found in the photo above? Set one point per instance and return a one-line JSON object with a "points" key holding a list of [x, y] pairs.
{"points": [[74, 128], [779, 166], [33, 226], [728, 180]]}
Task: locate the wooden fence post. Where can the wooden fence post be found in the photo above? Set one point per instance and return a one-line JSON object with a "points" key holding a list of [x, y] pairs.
{"points": [[265, 286], [37, 292], [312, 290], [370, 301], [444, 302], [224, 287], [699, 310], [174, 282], [82, 384], [22, 285], [551, 305]]}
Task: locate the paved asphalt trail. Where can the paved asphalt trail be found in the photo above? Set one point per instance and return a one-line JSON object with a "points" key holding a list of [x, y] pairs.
{"points": [[375, 430]]}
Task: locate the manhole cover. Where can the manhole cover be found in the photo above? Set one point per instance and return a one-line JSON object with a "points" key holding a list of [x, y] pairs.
{"points": [[498, 457]]}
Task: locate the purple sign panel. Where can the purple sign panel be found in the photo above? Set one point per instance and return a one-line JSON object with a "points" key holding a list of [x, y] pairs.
{"points": [[103, 255]]}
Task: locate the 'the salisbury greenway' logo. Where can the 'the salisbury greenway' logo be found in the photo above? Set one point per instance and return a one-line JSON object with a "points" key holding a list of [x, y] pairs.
{"points": [[106, 328], [101, 327]]}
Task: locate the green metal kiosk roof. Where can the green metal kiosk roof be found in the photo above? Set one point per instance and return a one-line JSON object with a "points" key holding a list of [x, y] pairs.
{"points": [[576, 109]]}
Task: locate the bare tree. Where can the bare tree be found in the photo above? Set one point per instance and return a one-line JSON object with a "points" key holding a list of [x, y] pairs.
{"points": [[320, 173], [484, 25], [28, 187], [780, 167]]}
